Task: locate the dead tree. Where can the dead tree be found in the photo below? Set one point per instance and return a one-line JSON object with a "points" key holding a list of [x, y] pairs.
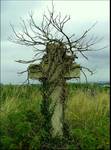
{"points": [[57, 62]]}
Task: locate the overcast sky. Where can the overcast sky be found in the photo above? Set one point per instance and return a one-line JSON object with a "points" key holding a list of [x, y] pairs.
{"points": [[83, 15]]}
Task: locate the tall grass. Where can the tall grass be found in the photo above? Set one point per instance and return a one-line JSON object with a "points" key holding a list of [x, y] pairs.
{"points": [[15, 98], [87, 117]]}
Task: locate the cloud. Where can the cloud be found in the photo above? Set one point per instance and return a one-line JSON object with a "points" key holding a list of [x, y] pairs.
{"points": [[83, 15]]}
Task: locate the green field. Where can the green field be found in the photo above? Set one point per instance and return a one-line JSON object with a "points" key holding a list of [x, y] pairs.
{"points": [[86, 115]]}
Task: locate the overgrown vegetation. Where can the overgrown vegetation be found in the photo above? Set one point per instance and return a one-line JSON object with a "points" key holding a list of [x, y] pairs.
{"points": [[54, 62], [86, 117]]}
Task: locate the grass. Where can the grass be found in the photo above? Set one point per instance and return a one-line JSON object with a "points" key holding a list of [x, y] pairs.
{"points": [[86, 115]]}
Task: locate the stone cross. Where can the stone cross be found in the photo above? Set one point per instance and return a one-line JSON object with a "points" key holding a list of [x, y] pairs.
{"points": [[52, 68]]}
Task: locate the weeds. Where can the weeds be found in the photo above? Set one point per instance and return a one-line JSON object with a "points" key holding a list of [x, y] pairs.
{"points": [[86, 117]]}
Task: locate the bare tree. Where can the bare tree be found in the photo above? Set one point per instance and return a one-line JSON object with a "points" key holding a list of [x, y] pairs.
{"points": [[52, 30], [59, 51]]}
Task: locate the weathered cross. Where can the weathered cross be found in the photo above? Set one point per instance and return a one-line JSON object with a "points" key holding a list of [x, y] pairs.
{"points": [[55, 68]]}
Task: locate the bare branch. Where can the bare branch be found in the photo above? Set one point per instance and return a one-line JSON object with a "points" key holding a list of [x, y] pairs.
{"points": [[22, 72], [26, 62], [87, 70], [85, 33], [84, 75]]}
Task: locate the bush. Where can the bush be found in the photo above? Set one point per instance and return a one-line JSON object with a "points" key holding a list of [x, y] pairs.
{"points": [[22, 130]]}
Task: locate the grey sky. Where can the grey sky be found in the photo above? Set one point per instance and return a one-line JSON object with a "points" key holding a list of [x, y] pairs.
{"points": [[83, 15]]}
